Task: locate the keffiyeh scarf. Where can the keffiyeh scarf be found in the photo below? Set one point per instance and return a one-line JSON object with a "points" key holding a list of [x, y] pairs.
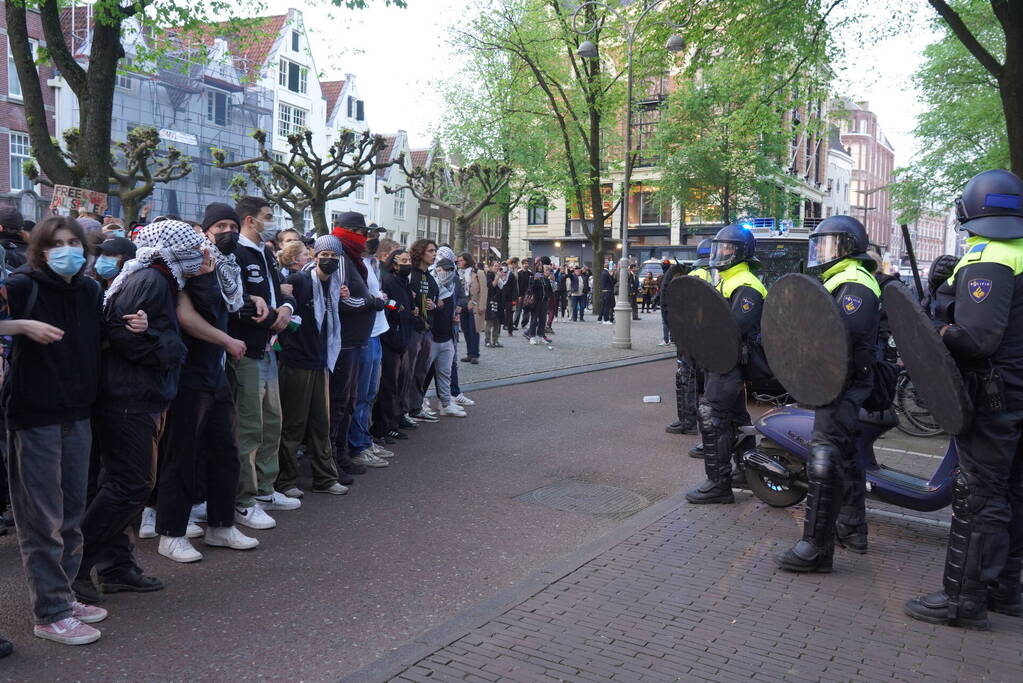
{"points": [[333, 321], [229, 275], [174, 243]]}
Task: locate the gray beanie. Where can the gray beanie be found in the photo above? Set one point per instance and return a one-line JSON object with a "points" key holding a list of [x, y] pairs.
{"points": [[327, 243]]}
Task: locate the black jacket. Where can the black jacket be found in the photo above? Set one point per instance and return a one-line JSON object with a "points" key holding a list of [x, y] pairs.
{"points": [[522, 280], [495, 298], [399, 318], [204, 365], [359, 309], [305, 348], [15, 249], [257, 280], [422, 285], [49, 384], [443, 329], [607, 282], [140, 372]]}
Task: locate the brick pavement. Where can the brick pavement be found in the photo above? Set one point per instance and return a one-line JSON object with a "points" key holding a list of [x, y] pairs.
{"points": [[696, 596]]}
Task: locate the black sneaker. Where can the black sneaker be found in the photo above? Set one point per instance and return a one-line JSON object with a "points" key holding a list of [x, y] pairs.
{"points": [[353, 468], [395, 434], [6, 648], [345, 478], [85, 591], [406, 423], [130, 581]]}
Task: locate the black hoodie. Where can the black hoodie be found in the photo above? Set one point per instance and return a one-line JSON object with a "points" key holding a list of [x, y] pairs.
{"points": [[399, 318], [53, 383]]}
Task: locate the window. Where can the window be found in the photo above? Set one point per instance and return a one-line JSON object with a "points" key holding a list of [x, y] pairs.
{"points": [[125, 82], [536, 215], [292, 76], [295, 41], [421, 228], [399, 203], [360, 111], [13, 80], [21, 151], [444, 234], [360, 192], [351, 106], [291, 120], [216, 108], [651, 211]]}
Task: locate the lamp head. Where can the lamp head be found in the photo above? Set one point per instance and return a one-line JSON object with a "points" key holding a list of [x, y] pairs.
{"points": [[675, 44], [587, 50]]}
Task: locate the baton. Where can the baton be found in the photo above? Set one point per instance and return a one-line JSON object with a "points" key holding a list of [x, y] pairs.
{"points": [[912, 261]]}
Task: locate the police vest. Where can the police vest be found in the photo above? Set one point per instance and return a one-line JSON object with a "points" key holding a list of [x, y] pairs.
{"points": [[982, 250], [701, 273], [853, 272], [737, 276]]}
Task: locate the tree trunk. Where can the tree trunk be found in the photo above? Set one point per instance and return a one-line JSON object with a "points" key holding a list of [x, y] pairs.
{"points": [[505, 231], [319, 211], [461, 234], [130, 209], [97, 106], [1010, 86]]}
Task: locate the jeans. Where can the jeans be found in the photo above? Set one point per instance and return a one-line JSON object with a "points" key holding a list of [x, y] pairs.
{"points": [[369, 385], [129, 443], [665, 330], [304, 402], [48, 468], [578, 307], [344, 394], [195, 417], [472, 335], [442, 356], [493, 331], [562, 304], [258, 403]]}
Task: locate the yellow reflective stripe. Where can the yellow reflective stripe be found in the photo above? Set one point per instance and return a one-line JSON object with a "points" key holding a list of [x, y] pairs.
{"points": [[732, 279], [1008, 253], [701, 273], [854, 272]]}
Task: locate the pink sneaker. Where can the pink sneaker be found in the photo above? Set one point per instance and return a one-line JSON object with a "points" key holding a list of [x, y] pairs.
{"points": [[87, 614], [68, 631]]}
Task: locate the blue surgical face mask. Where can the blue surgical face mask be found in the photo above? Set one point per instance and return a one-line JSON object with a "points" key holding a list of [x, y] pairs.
{"points": [[115, 233], [66, 261], [107, 267]]}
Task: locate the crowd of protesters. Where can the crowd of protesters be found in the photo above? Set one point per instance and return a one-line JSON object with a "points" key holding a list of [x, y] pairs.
{"points": [[174, 373]]}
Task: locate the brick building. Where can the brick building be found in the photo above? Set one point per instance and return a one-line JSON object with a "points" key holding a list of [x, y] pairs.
{"points": [[872, 173]]}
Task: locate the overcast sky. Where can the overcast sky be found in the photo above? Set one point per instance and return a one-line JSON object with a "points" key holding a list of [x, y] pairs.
{"points": [[397, 53]]}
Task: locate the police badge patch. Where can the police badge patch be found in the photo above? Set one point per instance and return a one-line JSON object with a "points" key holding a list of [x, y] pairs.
{"points": [[979, 289], [851, 304], [747, 304]]}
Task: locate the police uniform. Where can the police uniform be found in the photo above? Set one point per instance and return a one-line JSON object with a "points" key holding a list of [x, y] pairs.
{"points": [[722, 408], [985, 547], [836, 479]]}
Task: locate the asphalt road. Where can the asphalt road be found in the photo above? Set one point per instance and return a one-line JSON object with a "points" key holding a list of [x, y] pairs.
{"points": [[344, 580]]}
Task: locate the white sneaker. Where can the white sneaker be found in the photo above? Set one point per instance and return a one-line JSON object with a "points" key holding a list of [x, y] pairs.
{"points": [[278, 501], [463, 400], [179, 549], [193, 530], [427, 408], [367, 458], [411, 419], [534, 341], [453, 410], [198, 513], [254, 518], [229, 537], [294, 492], [380, 451], [147, 529], [336, 489]]}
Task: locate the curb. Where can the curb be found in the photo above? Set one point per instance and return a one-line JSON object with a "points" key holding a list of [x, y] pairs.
{"points": [[402, 657]]}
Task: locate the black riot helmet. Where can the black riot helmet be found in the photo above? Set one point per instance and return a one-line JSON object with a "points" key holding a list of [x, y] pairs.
{"points": [[837, 238], [703, 253], [990, 205], [732, 245]]}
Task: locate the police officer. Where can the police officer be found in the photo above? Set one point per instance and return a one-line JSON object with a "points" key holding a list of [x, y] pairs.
{"points": [[723, 406], [838, 252], [985, 335], [688, 384]]}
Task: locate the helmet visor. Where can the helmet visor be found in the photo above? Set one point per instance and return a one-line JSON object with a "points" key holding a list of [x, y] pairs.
{"points": [[827, 249], [724, 254]]}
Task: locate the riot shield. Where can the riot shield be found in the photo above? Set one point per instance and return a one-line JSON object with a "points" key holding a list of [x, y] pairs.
{"points": [[939, 385], [805, 340], [702, 325]]}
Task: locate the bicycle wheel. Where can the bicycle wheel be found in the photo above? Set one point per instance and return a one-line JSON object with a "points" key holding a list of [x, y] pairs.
{"points": [[914, 418]]}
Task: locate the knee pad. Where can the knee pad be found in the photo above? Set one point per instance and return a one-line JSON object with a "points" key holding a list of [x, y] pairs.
{"points": [[710, 423], [821, 465]]}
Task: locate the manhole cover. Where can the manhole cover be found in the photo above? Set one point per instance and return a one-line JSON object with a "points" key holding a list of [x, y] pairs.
{"points": [[591, 499]]}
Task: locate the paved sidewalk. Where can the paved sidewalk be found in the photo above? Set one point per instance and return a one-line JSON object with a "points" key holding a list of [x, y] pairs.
{"points": [[696, 596]]}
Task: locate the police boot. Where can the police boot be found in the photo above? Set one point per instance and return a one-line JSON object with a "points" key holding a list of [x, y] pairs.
{"points": [[717, 463], [697, 451], [964, 601], [747, 443], [814, 552], [680, 427], [1005, 596], [852, 538]]}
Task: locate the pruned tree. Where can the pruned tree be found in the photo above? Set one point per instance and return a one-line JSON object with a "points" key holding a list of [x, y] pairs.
{"points": [[302, 178], [465, 191], [136, 167]]}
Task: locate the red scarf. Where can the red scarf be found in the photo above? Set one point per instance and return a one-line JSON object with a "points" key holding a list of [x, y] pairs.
{"points": [[354, 245]]}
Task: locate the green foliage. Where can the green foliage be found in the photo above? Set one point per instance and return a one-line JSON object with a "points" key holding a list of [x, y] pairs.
{"points": [[962, 131]]}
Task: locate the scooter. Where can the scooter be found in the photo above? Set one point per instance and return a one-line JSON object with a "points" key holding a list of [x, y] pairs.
{"points": [[776, 466]]}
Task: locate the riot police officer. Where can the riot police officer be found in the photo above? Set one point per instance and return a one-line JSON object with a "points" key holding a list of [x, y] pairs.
{"points": [[985, 335], [723, 406], [688, 384], [838, 253]]}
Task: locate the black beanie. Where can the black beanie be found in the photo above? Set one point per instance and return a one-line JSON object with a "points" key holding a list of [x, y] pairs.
{"points": [[218, 211]]}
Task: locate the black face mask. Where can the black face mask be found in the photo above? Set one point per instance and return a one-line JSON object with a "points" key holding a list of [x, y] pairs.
{"points": [[404, 269], [226, 242], [328, 265], [372, 245]]}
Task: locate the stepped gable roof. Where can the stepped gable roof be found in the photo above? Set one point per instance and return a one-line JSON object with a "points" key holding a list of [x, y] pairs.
{"points": [[419, 157], [331, 91]]}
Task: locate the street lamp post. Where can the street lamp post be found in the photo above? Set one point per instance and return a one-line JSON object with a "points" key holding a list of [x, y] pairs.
{"points": [[622, 337]]}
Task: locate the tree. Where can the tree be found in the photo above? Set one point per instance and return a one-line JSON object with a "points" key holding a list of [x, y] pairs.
{"points": [[136, 169], [93, 84], [962, 130], [306, 179], [465, 191]]}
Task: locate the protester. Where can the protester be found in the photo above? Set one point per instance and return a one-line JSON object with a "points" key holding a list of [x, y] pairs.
{"points": [[442, 348], [12, 239], [293, 257], [607, 296], [114, 253], [578, 289], [424, 292], [254, 376], [395, 341], [473, 318], [496, 281]]}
